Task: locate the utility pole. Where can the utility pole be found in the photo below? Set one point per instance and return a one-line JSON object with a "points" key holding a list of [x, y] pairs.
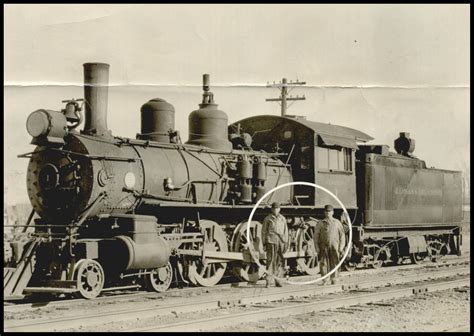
{"points": [[284, 91]]}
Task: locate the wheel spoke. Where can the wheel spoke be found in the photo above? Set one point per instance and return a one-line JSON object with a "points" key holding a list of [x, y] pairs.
{"points": [[216, 240], [89, 278], [153, 281], [305, 245], [243, 270], [202, 271]]}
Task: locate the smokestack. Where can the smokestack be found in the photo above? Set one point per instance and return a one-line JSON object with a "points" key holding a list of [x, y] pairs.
{"points": [[96, 81]]}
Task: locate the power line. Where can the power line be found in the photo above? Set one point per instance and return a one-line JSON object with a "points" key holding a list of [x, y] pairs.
{"points": [[284, 99]]}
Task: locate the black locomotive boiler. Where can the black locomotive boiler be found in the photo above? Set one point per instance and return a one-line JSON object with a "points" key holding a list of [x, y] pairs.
{"points": [[116, 212]]}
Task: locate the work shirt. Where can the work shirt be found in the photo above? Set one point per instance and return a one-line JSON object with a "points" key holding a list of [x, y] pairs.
{"points": [[330, 233], [274, 229]]}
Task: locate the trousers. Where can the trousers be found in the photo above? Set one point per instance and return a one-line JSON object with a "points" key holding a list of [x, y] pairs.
{"points": [[328, 259], [275, 261]]}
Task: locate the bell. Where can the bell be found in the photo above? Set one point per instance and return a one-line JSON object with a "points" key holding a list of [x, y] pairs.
{"points": [[71, 111]]}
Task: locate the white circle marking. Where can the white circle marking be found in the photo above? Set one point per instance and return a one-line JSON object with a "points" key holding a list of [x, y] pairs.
{"points": [[314, 185]]}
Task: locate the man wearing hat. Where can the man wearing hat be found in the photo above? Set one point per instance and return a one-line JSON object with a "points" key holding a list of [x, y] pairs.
{"points": [[275, 241], [329, 241]]}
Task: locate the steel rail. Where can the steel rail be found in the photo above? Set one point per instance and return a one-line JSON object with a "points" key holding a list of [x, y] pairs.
{"points": [[214, 323], [449, 262], [183, 305]]}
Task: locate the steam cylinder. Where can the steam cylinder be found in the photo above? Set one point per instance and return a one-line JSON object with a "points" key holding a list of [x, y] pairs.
{"points": [[157, 118], [208, 125], [151, 255], [96, 81]]}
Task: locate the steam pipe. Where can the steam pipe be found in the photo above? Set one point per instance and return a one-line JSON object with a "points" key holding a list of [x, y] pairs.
{"points": [[96, 81], [206, 82]]}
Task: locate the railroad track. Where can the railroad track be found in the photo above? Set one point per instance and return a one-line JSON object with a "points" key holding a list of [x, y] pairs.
{"points": [[356, 292], [111, 296], [302, 307]]}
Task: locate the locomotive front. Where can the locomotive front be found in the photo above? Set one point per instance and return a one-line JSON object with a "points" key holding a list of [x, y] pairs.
{"points": [[72, 173]]}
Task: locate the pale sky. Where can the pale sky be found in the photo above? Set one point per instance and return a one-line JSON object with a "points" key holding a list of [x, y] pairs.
{"points": [[382, 69]]}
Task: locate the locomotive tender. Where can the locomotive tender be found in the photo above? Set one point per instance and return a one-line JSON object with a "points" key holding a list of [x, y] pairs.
{"points": [[118, 213]]}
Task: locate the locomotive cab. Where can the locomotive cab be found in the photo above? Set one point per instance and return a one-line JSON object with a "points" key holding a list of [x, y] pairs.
{"points": [[319, 153]]}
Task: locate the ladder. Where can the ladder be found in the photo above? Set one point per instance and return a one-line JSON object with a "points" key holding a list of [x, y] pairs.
{"points": [[15, 279]]}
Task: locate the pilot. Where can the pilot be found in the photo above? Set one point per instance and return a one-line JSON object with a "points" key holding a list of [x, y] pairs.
{"points": [[276, 242], [329, 242]]}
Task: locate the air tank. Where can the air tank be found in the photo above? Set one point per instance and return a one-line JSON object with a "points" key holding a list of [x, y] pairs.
{"points": [[259, 170], [246, 193], [157, 119], [244, 168], [259, 176], [208, 125], [260, 191]]}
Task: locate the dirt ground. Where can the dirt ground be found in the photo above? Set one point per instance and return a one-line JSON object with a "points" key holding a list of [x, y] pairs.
{"points": [[466, 237], [437, 311], [431, 312]]}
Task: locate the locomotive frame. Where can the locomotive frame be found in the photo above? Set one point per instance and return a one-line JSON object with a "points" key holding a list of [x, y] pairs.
{"points": [[124, 213]]}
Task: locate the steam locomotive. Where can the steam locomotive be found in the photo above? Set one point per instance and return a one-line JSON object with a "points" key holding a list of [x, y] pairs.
{"points": [[115, 212]]}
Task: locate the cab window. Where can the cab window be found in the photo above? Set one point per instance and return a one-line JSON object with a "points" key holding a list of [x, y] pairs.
{"points": [[334, 159]]}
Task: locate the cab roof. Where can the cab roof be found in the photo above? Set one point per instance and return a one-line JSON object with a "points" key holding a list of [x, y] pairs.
{"points": [[271, 121]]}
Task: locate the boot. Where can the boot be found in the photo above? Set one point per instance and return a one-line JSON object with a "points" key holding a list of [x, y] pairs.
{"points": [[268, 281], [279, 283]]}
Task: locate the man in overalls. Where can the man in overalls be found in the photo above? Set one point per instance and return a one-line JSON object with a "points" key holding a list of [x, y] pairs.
{"points": [[275, 241], [329, 241]]}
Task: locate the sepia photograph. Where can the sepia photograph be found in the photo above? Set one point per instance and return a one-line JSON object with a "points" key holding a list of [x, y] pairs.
{"points": [[236, 168]]}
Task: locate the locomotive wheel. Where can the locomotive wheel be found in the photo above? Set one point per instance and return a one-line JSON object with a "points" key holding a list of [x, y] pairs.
{"points": [[376, 264], [248, 271], [435, 250], [202, 273], [380, 256], [349, 266], [417, 258], [89, 277], [159, 280], [305, 243]]}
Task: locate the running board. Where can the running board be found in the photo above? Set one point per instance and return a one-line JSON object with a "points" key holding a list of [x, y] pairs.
{"points": [[16, 279]]}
